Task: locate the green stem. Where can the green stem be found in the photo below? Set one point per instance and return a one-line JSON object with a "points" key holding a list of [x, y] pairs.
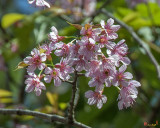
{"points": [[118, 88], [40, 72], [70, 37]]}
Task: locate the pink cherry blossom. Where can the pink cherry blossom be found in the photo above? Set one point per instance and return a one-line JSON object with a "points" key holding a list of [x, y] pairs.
{"points": [[48, 48], [52, 74], [104, 41], [124, 60], [90, 32], [80, 63], [62, 49], [88, 48], [39, 3], [33, 83], [35, 60], [74, 49], [97, 81], [53, 35], [120, 49], [109, 61], [121, 77], [128, 94], [108, 75], [64, 68], [96, 98], [93, 67], [110, 29]]}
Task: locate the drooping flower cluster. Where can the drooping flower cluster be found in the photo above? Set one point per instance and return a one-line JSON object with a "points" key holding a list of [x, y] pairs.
{"points": [[95, 52]]}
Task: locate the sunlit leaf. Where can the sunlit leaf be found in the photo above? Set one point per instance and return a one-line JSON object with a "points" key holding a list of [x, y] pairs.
{"points": [[11, 18], [130, 17], [21, 65], [5, 93], [52, 98], [6, 100], [62, 105], [25, 118], [47, 109]]}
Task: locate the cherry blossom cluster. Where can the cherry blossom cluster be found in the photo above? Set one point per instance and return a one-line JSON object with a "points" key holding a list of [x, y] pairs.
{"points": [[93, 52]]}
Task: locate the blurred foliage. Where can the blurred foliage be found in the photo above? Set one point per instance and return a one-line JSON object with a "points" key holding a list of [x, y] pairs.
{"points": [[25, 32]]}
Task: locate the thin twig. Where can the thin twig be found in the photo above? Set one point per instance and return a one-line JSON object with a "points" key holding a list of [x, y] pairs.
{"points": [[137, 38], [69, 82], [80, 74], [48, 117], [73, 101]]}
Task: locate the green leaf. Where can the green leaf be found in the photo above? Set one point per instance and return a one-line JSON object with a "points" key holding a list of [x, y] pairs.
{"points": [[63, 106], [6, 100], [5, 93], [78, 26], [130, 17], [52, 98], [11, 18]]}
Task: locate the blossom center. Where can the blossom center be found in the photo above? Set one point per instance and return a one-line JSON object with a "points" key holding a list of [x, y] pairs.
{"points": [[37, 60], [89, 46]]}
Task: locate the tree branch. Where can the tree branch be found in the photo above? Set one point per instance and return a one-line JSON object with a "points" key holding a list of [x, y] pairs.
{"points": [[74, 100], [48, 117], [137, 38]]}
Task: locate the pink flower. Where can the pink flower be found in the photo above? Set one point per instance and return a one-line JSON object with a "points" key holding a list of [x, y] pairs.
{"points": [[33, 83], [62, 49], [128, 94], [104, 41], [97, 81], [64, 68], [120, 49], [108, 74], [80, 63], [88, 48], [35, 60], [124, 60], [74, 49], [52, 74], [39, 3], [109, 61], [53, 36], [48, 48], [121, 77], [110, 29], [96, 98], [93, 67], [89, 32]]}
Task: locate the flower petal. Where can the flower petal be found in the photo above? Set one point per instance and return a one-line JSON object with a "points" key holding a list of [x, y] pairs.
{"points": [[127, 75], [122, 68], [29, 88], [47, 78]]}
